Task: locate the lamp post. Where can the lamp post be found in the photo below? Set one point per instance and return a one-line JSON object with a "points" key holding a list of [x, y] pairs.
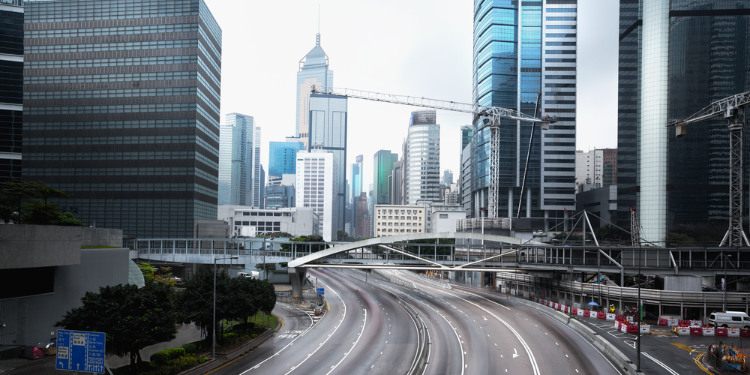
{"points": [[725, 284], [638, 307], [214, 326]]}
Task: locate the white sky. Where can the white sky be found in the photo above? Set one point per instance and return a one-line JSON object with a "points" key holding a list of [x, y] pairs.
{"points": [[415, 47]]}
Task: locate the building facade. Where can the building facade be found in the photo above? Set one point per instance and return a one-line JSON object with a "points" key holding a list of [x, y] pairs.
{"points": [[397, 182], [327, 131], [357, 175], [282, 158], [11, 89], [316, 188], [313, 71], [444, 217], [382, 167], [121, 111], [422, 158], [361, 217], [236, 158], [279, 197], [447, 177], [394, 220], [680, 56], [522, 49], [245, 219]]}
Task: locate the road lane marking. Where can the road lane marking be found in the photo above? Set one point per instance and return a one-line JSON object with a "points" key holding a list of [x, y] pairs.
{"points": [[353, 344], [673, 372]]}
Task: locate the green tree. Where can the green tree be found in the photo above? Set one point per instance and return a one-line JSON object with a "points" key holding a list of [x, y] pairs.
{"points": [[42, 213], [341, 235], [132, 318], [196, 302], [266, 266], [19, 202], [147, 270]]}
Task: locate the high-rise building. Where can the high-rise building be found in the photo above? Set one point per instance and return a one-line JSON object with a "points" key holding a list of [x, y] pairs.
{"points": [[122, 110], [676, 57], [236, 153], [447, 177], [258, 174], [466, 132], [313, 70], [357, 173], [596, 167], [279, 197], [396, 181], [317, 188], [382, 166], [282, 158], [11, 89], [422, 158], [362, 227], [522, 49], [328, 131]]}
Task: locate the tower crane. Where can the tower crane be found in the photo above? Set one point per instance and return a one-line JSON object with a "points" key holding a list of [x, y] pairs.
{"points": [[492, 116], [733, 110]]}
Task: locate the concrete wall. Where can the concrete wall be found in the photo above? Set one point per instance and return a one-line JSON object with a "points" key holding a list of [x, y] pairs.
{"points": [[101, 237], [29, 246], [210, 229], [30, 320]]}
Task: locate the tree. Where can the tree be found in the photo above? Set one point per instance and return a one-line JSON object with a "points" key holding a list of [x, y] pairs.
{"points": [[132, 318], [266, 266], [19, 202], [196, 302], [341, 235], [147, 270], [42, 213]]}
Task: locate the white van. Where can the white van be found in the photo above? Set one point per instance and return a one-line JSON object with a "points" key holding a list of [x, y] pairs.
{"points": [[252, 274], [736, 319]]}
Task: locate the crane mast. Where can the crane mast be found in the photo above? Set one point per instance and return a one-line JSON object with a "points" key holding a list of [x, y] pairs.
{"points": [[733, 110], [492, 120]]}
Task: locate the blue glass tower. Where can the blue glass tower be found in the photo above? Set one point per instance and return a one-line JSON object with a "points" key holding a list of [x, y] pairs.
{"points": [[522, 49], [235, 160], [313, 70], [282, 158]]}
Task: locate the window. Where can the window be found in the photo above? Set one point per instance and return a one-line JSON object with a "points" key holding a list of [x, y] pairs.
{"points": [[443, 216], [736, 319]]}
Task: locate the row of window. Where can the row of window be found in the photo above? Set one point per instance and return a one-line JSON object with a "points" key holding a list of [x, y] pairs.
{"points": [[393, 224], [109, 109], [126, 61], [125, 46], [123, 93], [256, 223], [123, 30], [144, 155], [402, 217], [391, 230], [403, 211], [122, 77], [150, 139], [71, 187], [87, 11], [263, 213]]}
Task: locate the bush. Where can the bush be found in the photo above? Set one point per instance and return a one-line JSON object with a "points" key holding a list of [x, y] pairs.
{"points": [[161, 357], [231, 335], [191, 348]]}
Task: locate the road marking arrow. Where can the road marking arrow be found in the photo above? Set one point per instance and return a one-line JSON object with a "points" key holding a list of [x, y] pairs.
{"points": [[515, 353], [484, 318]]}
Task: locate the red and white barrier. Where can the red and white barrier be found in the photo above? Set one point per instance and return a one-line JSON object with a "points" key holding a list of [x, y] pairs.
{"points": [[696, 323], [630, 319], [624, 328], [580, 312], [696, 331], [709, 331], [733, 332], [672, 322], [610, 316], [592, 314], [645, 329], [683, 331]]}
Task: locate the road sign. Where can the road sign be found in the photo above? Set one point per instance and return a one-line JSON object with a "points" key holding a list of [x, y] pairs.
{"points": [[80, 351], [319, 291]]}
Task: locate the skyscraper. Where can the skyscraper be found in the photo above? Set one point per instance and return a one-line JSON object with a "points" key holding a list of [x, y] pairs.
{"points": [[236, 158], [317, 187], [422, 158], [328, 131], [447, 177], [357, 173], [313, 70], [382, 166], [259, 175], [282, 158], [522, 49], [678, 56], [11, 89], [466, 132], [122, 110]]}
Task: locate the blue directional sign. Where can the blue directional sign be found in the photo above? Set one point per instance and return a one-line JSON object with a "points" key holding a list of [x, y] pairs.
{"points": [[80, 351], [319, 291]]}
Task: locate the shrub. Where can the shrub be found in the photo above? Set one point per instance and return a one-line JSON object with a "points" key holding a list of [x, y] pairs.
{"points": [[161, 357], [231, 335], [191, 348]]}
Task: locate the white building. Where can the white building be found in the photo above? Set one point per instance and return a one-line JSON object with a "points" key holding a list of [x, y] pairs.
{"points": [[245, 221], [316, 188], [422, 158], [589, 168], [444, 217], [394, 220]]}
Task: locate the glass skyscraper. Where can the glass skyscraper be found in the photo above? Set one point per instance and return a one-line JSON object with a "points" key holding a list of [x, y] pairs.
{"points": [[313, 70], [382, 165], [522, 49], [11, 89], [328, 114], [357, 174], [282, 158], [421, 159], [121, 110], [682, 55], [236, 154]]}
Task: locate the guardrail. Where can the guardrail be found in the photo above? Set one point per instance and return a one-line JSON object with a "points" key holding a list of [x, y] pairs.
{"points": [[394, 280]]}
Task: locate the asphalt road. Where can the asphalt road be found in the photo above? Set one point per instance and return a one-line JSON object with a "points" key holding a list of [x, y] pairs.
{"points": [[364, 331]]}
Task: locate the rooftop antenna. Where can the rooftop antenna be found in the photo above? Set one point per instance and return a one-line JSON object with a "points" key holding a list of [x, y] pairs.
{"points": [[317, 37]]}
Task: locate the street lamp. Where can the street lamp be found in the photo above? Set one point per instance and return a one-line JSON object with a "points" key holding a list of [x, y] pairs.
{"points": [[214, 326], [725, 284]]}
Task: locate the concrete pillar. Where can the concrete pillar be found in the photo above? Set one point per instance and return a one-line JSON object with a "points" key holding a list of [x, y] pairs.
{"points": [[528, 202], [510, 202], [565, 221], [297, 278]]}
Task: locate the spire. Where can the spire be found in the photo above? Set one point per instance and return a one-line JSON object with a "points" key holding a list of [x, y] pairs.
{"points": [[317, 39]]}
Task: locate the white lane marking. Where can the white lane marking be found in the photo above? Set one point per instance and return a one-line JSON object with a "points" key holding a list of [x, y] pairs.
{"points": [[458, 337], [673, 372], [352, 348], [515, 353], [287, 345]]}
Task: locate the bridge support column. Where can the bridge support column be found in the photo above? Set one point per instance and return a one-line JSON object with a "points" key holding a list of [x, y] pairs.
{"points": [[297, 278]]}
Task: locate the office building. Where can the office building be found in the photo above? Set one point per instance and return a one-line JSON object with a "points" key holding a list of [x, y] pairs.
{"points": [[676, 58], [328, 132], [362, 225], [313, 71], [258, 174], [236, 158], [395, 220], [422, 158], [357, 174], [262, 188], [11, 89], [447, 177], [122, 111], [585, 167], [544, 44], [282, 158], [466, 132], [443, 217], [465, 191], [279, 197], [245, 219], [396, 180], [601, 202], [317, 186], [382, 167]]}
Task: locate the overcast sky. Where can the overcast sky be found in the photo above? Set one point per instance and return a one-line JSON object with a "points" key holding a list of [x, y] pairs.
{"points": [[414, 47]]}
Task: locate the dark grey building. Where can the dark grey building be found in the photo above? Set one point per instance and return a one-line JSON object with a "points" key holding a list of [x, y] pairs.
{"points": [[279, 197], [601, 202], [122, 110], [11, 88]]}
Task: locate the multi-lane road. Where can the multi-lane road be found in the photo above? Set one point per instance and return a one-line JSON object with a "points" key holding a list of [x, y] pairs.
{"points": [[366, 331]]}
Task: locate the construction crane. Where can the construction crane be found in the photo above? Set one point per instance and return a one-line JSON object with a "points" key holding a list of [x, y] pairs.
{"points": [[492, 116], [733, 109]]}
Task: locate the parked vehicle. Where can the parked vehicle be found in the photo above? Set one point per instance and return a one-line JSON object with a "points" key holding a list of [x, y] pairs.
{"points": [[251, 274], [736, 319]]}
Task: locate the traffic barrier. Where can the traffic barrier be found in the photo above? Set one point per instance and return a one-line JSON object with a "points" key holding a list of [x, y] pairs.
{"points": [[663, 321], [619, 317], [683, 323], [632, 328], [672, 322], [610, 316], [617, 325], [601, 315], [733, 332], [745, 332], [721, 331], [557, 306], [580, 312], [696, 323], [592, 314], [683, 331], [630, 318], [645, 329], [696, 331], [709, 331], [624, 327]]}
